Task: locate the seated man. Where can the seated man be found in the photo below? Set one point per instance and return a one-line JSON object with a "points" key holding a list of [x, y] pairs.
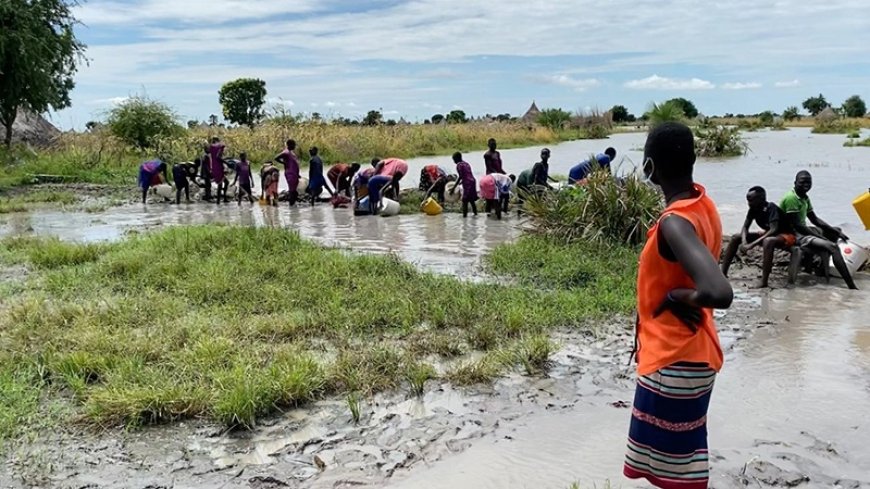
{"points": [[777, 233], [579, 172], [821, 239]]}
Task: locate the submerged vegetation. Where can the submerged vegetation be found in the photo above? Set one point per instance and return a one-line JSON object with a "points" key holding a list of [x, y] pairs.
{"points": [[606, 210], [718, 141], [854, 142], [834, 125], [235, 323]]}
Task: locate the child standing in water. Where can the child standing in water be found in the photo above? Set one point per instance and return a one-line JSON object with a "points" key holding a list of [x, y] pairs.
{"points": [[679, 283], [468, 182], [244, 178], [216, 157], [290, 161], [269, 178], [316, 181]]}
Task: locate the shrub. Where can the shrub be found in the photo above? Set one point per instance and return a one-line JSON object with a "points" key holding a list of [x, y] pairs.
{"points": [[605, 210], [142, 122], [834, 125], [554, 119], [669, 111], [719, 141]]}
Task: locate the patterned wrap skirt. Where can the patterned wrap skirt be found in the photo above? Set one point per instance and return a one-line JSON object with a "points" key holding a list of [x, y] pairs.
{"points": [[667, 441]]}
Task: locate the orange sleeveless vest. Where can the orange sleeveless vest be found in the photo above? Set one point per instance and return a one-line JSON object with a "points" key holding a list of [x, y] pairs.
{"points": [[665, 340]]}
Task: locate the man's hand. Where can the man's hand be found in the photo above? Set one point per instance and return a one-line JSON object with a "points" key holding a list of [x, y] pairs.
{"points": [[688, 315]]}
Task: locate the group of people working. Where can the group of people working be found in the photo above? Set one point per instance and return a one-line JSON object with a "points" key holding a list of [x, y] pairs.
{"points": [[348, 183], [784, 226]]}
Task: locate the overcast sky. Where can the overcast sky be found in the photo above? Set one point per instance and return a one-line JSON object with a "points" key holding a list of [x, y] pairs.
{"points": [[417, 58]]}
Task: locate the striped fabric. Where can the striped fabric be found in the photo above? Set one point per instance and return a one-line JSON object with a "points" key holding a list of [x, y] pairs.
{"points": [[667, 441]]}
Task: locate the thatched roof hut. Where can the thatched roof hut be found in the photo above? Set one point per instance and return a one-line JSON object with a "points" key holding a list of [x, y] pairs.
{"points": [[532, 114], [33, 129], [828, 114]]}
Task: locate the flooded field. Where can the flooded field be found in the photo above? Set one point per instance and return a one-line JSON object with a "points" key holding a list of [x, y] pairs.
{"points": [[787, 411]]}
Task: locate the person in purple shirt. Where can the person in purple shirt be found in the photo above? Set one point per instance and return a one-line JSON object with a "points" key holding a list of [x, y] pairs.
{"points": [[492, 159], [244, 178], [290, 161], [468, 182], [216, 156]]}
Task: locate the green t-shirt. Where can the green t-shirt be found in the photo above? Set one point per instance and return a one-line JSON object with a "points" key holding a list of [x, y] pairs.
{"points": [[792, 204], [525, 179]]}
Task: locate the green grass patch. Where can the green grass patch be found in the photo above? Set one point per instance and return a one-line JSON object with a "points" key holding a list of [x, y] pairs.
{"points": [[854, 142], [29, 200], [604, 274], [236, 323]]}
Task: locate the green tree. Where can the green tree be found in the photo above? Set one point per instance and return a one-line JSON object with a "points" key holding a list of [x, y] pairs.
{"points": [[39, 54], [688, 108], [437, 118], [391, 122], [854, 106], [620, 114], [242, 101], [373, 118], [815, 105], [503, 117], [457, 117], [554, 118], [191, 124], [141, 122], [791, 113]]}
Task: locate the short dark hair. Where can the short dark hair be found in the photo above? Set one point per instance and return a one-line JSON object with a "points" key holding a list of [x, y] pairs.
{"points": [[457, 157], [313, 150], [491, 140], [375, 161], [757, 190], [354, 167], [611, 152], [803, 173], [291, 143], [671, 145]]}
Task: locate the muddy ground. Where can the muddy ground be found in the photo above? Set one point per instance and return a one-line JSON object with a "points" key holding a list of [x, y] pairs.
{"points": [[525, 431]]}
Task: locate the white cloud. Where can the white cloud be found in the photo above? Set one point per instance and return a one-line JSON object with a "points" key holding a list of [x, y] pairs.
{"points": [[280, 101], [787, 84], [101, 12], [330, 104], [578, 85], [656, 82], [351, 104], [741, 86]]}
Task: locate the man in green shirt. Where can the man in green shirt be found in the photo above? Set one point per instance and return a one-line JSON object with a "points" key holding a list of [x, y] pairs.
{"points": [[820, 239]]}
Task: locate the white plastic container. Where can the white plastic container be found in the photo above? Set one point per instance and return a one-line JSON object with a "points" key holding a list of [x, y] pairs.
{"points": [[456, 196], [164, 191], [389, 207], [303, 186], [854, 255]]}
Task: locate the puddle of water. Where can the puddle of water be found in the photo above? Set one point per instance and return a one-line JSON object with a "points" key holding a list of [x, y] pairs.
{"points": [[794, 396]]}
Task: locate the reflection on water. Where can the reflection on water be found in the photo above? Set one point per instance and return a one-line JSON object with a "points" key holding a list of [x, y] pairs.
{"points": [[447, 243]]}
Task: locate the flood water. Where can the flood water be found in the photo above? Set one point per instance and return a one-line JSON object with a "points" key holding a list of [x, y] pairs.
{"points": [[796, 391]]}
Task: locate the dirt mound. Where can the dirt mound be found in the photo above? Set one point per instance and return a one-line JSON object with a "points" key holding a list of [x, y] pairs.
{"points": [[32, 129]]}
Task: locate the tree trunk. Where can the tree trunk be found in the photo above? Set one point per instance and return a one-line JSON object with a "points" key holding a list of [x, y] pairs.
{"points": [[8, 120], [7, 140]]}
